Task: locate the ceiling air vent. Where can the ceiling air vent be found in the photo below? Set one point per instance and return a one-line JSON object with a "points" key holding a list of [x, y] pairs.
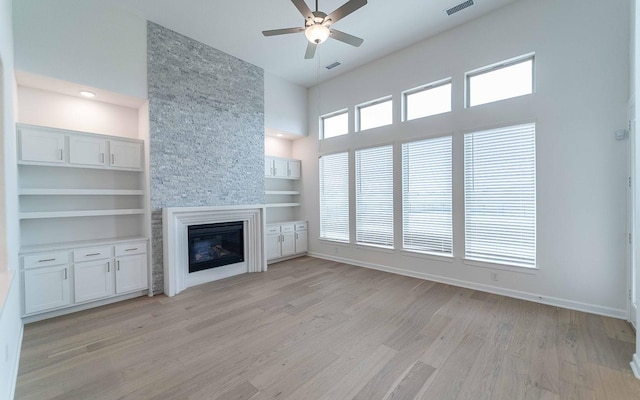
{"points": [[332, 66], [460, 7]]}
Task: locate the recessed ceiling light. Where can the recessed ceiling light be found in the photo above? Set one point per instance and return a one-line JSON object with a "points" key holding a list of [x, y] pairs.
{"points": [[280, 135], [87, 94]]}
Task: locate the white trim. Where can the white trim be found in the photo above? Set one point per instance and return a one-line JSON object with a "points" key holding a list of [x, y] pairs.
{"points": [[552, 301], [635, 365], [175, 224]]}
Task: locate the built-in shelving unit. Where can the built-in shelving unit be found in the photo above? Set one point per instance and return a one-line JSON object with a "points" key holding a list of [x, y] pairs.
{"points": [[83, 207], [282, 178]]}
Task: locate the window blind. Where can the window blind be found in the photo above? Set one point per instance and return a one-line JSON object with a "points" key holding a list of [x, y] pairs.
{"points": [[374, 196], [426, 196], [500, 195], [334, 197]]}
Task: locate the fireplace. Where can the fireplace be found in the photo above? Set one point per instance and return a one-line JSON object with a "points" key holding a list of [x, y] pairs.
{"points": [[215, 245], [176, 224]]}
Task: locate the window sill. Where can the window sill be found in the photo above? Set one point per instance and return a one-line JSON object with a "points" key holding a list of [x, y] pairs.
{"points": [[503, 267], [381, 249], [333, 241], [429, 256]]}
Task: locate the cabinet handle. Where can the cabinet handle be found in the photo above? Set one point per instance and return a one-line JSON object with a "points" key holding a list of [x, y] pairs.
{"points": [[288, 172], [118, 264], [47, 260], [60, 154], [108, 266], [113, 158], [65, 274], [93, 254], [102, 158], [135, 248], [296, 236]]}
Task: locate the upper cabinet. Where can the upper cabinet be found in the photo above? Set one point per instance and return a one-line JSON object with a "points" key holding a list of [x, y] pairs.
{"points": [[40, 145], [282, 168]]}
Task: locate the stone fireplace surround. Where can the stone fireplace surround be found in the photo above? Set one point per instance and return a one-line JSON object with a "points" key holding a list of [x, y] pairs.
{"points": [[175, 224]]}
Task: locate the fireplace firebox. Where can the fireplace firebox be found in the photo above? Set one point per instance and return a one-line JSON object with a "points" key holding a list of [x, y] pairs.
{"points": [[215, 245]]}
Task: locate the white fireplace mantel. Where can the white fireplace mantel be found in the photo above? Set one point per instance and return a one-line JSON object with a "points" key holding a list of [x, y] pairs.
{"points": [[175, 224]]}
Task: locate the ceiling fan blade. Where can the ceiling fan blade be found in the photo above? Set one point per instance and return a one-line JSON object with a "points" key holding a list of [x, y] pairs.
{"points": [[346, 38], [285, 31], [345, 9], [303, 8], [311, 51]]}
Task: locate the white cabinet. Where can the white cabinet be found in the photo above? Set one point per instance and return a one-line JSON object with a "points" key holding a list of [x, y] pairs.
{"points": [[125, 154], [93, 280], [131, 273], [87, 150], [41, 146], [83, 275], [282, 168], [46, 288], [286, 239]]}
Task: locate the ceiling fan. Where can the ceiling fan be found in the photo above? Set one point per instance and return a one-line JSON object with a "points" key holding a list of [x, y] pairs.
{"points": [[317, 25]]}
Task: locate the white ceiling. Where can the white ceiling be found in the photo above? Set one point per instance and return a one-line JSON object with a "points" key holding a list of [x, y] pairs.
{"points": [[235, 27]]}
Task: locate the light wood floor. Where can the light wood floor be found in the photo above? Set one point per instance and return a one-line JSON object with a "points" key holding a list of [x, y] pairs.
{"points": [[313, 329]]}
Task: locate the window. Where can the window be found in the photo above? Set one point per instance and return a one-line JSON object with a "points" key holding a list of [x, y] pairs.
{"points": [[425, 101], [499, 82], [334, 197], [426, 196], [374, 196], [500, 195], [374, 114], [335, 124]]}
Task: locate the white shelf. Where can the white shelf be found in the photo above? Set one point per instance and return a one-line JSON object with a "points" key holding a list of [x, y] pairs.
{"points": [[81, 243], [282, 192], [277, 205], [82, 213], [80, 192]]}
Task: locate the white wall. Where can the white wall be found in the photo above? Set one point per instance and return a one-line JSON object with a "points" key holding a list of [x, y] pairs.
{"points": [[285, 105], [41, 107], [582, 73], [10, 322], [277, 147], [82, 41]]}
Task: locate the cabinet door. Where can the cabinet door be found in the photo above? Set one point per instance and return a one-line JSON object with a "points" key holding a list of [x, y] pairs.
{"points": [[93, 280], [301, 242], [41, 146], [294, 169], [272, 243], [288, 244], [87, 150], [280, 169], [131, 273], [46, 288], [268, 167], [125, 154]]}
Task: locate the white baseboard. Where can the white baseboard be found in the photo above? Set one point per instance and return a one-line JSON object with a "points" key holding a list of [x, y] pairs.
{"points": [[635, 365], [552, 301]]}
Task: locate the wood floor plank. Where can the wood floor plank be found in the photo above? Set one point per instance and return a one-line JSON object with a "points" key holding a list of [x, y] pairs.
{"points": [[316, 329]]}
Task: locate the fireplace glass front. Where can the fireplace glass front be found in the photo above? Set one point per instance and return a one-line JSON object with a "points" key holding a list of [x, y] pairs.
{"points": [[215, 245]]}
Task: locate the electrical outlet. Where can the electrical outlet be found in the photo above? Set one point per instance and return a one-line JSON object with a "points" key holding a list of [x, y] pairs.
{"points": [[494, 276]]}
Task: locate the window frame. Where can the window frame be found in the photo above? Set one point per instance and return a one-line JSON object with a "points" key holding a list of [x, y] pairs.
{"points": [[357, 196], [492, 263], [348, 198], [495, 67], [331, 115], [424, 88], [408, 250], [359, 107]]}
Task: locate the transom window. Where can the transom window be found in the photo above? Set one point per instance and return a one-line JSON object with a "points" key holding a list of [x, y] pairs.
{"points": [[501, 81], [428, 100], [375, 114], [334, 124]]}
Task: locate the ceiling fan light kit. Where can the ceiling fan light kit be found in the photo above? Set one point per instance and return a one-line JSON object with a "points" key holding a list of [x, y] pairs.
{"points": [[317, 25]]}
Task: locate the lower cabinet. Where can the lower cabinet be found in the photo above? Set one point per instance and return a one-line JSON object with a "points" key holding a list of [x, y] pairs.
{"points": [[47, 288], [120, 269], [286, 239]]}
